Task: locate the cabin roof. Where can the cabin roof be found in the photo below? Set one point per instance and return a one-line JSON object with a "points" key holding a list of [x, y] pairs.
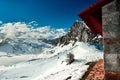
{"points": [[92, 16]]}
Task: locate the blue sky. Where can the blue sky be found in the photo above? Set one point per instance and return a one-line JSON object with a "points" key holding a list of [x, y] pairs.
{"points": [[55, 13]]}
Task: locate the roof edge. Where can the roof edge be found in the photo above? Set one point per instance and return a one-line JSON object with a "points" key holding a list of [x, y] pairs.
{"points": [[94, 7]]}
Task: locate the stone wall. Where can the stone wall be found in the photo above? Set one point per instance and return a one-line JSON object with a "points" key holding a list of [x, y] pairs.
{"points": [[111, 33]]}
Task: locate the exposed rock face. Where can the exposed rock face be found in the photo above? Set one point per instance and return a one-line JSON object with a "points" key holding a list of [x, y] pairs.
{"points": [[78, 32]]}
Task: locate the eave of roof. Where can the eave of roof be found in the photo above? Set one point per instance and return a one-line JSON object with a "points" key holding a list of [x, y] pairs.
{"points": [[94, 7], [92, 16]]}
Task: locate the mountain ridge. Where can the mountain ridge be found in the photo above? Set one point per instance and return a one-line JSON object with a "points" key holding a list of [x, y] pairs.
{"points": [[78, 32]]}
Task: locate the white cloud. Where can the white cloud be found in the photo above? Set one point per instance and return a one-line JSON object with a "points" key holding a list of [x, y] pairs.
{"points": [[1, 22], [22, 30]]}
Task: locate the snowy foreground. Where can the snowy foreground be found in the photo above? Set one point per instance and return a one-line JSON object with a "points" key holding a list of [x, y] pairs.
{"points": [[49, 65]]}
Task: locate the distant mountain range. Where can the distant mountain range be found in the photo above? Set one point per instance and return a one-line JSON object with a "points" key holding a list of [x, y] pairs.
{"points": [[18, 38], [78, 32]]}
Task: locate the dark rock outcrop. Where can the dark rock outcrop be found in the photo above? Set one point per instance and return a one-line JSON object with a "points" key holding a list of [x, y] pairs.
{"points": [[78, 32]]}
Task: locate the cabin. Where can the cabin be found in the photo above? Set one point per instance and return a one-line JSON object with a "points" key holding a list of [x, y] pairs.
{"points": [[103, 18]]}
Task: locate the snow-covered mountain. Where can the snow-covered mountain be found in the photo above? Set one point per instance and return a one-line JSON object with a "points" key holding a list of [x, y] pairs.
{"points": [[79, 32], [28, 53], [21, 38]]}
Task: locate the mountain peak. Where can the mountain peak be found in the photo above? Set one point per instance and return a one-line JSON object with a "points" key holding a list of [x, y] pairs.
{"points": [[78, 32], [77, 21]]}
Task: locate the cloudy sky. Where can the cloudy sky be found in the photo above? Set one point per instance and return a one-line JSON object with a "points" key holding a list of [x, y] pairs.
{"points": [[55, 13]]}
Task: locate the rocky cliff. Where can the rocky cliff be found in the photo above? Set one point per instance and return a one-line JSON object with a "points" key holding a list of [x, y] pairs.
{"points": [[78, 32]]}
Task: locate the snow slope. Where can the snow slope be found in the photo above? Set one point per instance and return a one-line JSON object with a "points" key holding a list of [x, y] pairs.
{"points": [[51, 64], [24, 55]]}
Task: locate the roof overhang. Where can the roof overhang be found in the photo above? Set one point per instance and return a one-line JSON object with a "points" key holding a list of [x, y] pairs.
{"points": [[92, 16]]}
